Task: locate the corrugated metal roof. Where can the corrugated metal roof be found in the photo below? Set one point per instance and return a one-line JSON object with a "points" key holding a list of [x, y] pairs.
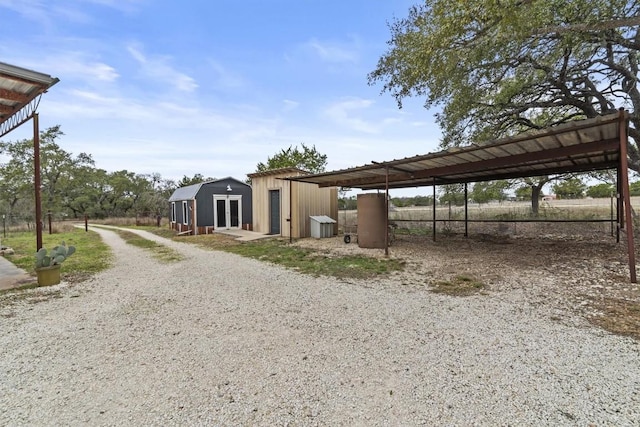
{"points": [[323, 219], [579, 146], [186, 193], [19, 87], [189, 192], [281, 171]]}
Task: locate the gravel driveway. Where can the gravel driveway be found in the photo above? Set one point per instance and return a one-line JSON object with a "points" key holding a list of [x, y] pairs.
{"points": [[218, 339]]}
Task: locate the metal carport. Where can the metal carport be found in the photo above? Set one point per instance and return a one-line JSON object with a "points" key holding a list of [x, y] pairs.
{"points": [[580, 146], [20, 93]]}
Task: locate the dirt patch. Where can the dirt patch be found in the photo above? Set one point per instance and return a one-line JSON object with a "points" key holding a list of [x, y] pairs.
{"points": [[584, 274]]}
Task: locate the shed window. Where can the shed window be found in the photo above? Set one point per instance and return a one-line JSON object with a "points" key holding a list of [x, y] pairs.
{"points": [[185, 213], [173, 211]]}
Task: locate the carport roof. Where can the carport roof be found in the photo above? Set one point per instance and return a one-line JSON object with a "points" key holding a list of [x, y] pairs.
{"points": [[579, 146], [20, 91]]}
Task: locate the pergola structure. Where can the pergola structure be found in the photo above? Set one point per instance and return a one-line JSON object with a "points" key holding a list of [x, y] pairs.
{"points": [[580, 146], [20, 93]]}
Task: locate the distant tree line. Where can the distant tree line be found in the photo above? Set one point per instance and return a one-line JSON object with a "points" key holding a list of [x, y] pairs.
{"points": [[72, 186]]}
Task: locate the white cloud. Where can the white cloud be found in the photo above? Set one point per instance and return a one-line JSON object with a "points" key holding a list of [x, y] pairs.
{"points": [[343, 114], [33, 10], [122, 5], [333, 52], [48, 12], [290, 105], [158, 69], [75, 65], [226, 79], [70, 67]]}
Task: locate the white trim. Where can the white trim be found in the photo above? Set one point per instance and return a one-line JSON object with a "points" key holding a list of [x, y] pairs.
{"points": [[185, 213], [173, 211], [227, 207]]}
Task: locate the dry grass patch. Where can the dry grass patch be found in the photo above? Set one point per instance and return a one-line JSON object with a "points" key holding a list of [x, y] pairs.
{"points": [[618, 316], [459, 286], [210, 241]]}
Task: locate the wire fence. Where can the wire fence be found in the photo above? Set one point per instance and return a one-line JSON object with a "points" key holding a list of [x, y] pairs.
{"points": [[566, 217]]}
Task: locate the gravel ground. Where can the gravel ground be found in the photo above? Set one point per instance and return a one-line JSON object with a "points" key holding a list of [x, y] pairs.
{"points": [[218, 339]]}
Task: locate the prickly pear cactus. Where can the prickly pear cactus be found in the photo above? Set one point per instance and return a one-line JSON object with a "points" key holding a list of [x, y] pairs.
{"points": [[42, 260], [56, 256]]}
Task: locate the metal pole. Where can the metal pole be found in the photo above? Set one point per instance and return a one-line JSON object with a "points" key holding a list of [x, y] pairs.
{"points": [[466, 211], [36, 179], [618, 203], [611, 214], [386, 216], [434, 210], [631, 249], [621, 218]]}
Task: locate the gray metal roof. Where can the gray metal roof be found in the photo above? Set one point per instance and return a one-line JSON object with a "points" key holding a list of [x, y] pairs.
{"points": [[323, 219], [579, 146], [291, 171], [186, 193], [20, 90], [189, 192]]}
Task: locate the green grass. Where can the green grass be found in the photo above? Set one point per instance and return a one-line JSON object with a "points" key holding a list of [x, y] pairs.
{"points": [[91, 256], [413, 231], [278, 251], [158, 231], [316, 264], [159, 251]]}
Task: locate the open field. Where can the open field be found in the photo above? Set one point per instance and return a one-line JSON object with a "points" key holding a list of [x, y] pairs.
{"points": [[501, 217]]}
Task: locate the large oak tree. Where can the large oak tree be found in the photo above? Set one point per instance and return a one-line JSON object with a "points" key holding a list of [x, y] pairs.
{"points": [[307, 158], [498, 67]]}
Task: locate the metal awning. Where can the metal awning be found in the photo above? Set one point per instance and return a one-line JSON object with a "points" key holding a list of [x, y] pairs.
{"points": [[20, 92], [579, 146]]}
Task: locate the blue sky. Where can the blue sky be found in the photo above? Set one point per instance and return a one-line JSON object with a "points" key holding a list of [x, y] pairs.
{"points": [[214, 87]]}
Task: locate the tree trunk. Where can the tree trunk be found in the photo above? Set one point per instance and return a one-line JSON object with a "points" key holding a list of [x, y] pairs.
{"points": [[535, 198]]}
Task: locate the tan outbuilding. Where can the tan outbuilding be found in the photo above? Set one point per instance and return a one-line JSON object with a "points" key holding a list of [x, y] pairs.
{"points": [[282, 207]]}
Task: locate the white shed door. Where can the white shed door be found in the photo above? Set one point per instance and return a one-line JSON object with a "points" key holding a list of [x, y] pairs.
{"points": [[227, 211]]}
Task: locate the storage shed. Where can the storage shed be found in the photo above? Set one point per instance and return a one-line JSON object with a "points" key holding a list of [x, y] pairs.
{"points": [[207, 206], [282, 207], [322, 226]]}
